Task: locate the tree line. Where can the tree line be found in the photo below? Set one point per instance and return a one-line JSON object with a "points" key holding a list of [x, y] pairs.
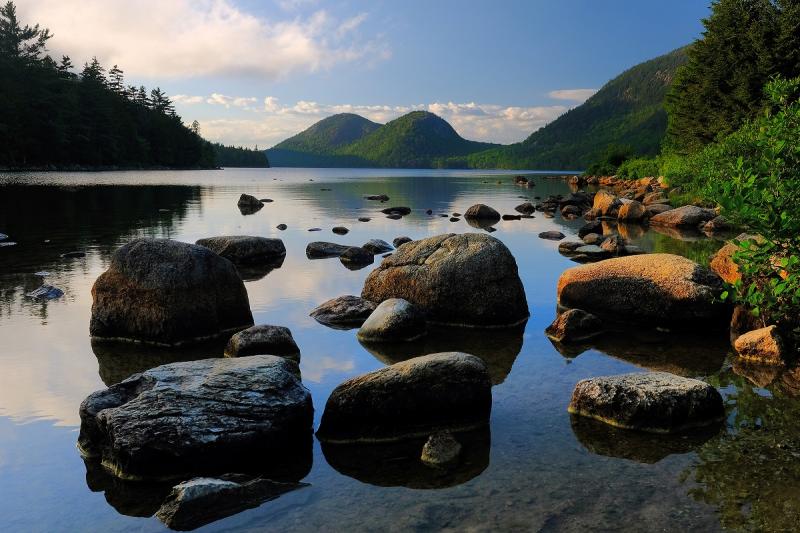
{"points": [[54, 116]]}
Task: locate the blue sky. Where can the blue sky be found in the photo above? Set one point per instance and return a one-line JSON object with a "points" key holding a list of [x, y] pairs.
{"points": [[254, 72]]}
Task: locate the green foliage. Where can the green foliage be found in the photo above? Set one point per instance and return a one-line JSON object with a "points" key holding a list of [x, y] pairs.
{"points": [[639, 167], [230, 156], [49, 116], [720, 87], [754, 174], [628, 110], [609, 161], [329, 134]]}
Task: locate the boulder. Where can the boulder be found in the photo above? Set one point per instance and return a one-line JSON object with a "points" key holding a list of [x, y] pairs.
{"points": [[593, 238], [718, 224], [594, 226], [482, 212], [340, 230], [245, 200], [202, 417], [764, 345], [203, 500], [571, 211], [394, 320], [407, 399], [399, 241], [655, 198], [573, 326], [469, 279], [666, 288], [440, 449], [169, 293], [632, 212], [323, 250], [590, 253], [655, 402], [688, 216], [656, 209], [400, 210], [377, 246], [282, 227], [263, 340], [606, 203], [552, 235], [244, 250], [526, 209], [344, 312], [355, 257], [569, 247]]}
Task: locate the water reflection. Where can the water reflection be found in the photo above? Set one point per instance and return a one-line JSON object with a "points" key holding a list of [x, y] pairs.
{"points": [[398, 464], [498, 348]]}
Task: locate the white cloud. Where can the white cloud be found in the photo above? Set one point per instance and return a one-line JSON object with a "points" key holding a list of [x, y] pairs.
{"points": [[576, 95], [275, 122], [186, 99], [191, 38]]}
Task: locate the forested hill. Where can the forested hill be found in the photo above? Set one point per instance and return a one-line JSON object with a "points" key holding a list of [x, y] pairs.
{"points": [[418, 139], [54, 117], [628, 111]]}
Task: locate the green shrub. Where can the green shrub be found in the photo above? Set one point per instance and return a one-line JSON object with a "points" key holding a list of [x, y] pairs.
{"points": [[639, 167]]}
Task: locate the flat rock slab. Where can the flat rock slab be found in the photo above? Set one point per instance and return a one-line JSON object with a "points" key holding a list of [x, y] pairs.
{"points": [[168, 293], [655, 402], [244, 249], [666, 288], [469, 279], [206, 417], [552, 235], [409, 399], [394, 320], [344, 312], [263, 340]]}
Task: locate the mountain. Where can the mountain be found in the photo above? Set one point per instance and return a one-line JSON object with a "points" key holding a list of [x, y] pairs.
{"points": [[416, 140], [628, 111]]}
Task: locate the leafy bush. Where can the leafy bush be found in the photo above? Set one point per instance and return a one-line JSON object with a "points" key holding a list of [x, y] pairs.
{"points": [[754, 175], [607, 163], [639, 167]]}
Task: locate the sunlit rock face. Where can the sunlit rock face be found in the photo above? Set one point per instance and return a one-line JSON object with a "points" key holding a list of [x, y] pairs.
{"points": [[687, 216], [654, 402], [466, 280], [166, 292], [763, 345], [394, 320], [248, 414], [666, 289], [410, 398]]}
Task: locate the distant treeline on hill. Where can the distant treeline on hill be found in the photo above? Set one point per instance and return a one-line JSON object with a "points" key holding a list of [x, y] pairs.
{"points": [[52, 117]]}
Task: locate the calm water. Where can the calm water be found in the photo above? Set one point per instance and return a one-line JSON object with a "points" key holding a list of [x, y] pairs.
{"points": [[535, 471]]}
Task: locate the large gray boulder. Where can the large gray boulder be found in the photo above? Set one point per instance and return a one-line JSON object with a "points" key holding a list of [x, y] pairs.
{"points": [[201, 418], [668, 289], [244, 249], [469, 279], [688, 216], [655, 402], [344, 312], [263, 340], [394, 320], [482, 212], [169, 293], [411, 398]]}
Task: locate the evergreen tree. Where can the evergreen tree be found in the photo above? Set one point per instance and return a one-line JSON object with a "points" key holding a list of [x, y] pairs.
{"points": [[94, 72], [65, 67], [20, 42], [115, 80]]}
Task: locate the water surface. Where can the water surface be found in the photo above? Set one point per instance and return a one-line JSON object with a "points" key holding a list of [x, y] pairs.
{"points": [[535, 469]]}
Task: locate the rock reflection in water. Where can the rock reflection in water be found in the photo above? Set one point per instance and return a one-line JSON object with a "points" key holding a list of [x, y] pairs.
{"points": [[129, 498], [398, 464], [120, 360], [257, 272], [639, 446], [498, 348], [682, 354], [481, 223]]}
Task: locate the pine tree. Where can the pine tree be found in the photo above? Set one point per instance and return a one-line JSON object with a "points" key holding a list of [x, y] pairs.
{"points": [[93, 71], [115, 80], [65, 66], [195, 127], [20, 42]]}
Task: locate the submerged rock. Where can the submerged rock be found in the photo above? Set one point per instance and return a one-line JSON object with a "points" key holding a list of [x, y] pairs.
{"points": [[526, 208], [281, 226], [552, 235], [654, 402], [764, 345], [437, 391], [574, 325], [468, 279], [202, 417], [340, 230], [364, 219], [243, 249], [440, 449], [344, 312], [670, 289], [399, 241], [400, 210], [688, 216], [594, 226], [394, 320], [167, 292], [324, 250], [200, 501], [46, 292], [377, 197], [263, 340], [355, 258], [483, 212], [377, 246]]}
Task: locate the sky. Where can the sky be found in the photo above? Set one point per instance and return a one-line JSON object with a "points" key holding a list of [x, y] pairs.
{"points": [[253, 73]]}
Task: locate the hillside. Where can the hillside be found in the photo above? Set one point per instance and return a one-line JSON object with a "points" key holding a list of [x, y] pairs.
{"points": [[417, 139], [628, 110]]}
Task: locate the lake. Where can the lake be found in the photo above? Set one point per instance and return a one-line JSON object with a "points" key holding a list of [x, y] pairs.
{"points": [[536, 469]]}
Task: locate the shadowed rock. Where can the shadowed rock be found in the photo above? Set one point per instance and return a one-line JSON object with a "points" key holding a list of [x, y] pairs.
{"points": [[551, 235], [399, 241], [654, 402], [398, 464], [468, 279], [324, 250], [437, 391], [356, 258], [263, 340], [248, 414], [394, 320], [483, 212], [574, 325], [169, 293], [245, 250], [344, 312], [377, 246], [400, 210]]}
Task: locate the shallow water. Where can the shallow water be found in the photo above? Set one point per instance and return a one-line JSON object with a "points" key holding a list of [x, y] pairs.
{"points": [[535, 469]]}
